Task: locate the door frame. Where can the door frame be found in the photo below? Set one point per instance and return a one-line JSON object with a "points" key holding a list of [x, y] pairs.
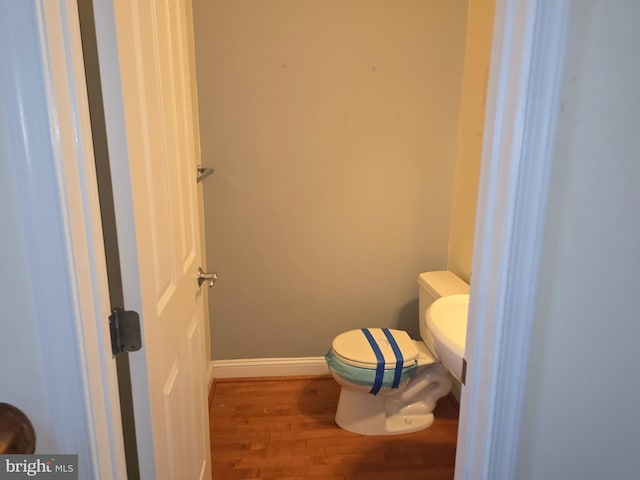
{"points": [[48, 119], [521, 110], [525, 81]]}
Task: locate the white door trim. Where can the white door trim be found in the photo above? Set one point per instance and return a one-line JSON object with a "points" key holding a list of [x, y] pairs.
{"points": [[522, 108], [53, 160]]}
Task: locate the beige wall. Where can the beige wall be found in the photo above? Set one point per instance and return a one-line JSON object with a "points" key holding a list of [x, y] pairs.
{"points": [[332, 128], [470, 131]]}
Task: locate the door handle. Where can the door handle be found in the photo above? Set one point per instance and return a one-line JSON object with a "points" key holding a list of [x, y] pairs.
{"points": [[203, 276]]}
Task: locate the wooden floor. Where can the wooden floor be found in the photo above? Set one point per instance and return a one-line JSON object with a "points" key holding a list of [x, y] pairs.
{"points": [[284, 429]]}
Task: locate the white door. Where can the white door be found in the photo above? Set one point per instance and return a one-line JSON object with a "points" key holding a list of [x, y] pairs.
{"points": [[154, 147]]}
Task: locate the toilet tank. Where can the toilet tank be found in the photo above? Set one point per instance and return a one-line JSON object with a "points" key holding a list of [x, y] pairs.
{"points": [[434, 285]]}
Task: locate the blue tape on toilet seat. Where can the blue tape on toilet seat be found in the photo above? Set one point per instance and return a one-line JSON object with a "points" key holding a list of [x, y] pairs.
{"points": [[377, 384], [399, 357], [366, 376]]}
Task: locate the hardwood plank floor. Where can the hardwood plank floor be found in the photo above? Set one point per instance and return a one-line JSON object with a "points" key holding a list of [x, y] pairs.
{"points": [[284, 429]]}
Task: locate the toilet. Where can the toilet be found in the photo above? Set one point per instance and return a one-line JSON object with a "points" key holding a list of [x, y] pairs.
{"points": [[389, 382]]}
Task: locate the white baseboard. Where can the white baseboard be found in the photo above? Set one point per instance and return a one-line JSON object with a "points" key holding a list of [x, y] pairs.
{"points": [[268, 367]]}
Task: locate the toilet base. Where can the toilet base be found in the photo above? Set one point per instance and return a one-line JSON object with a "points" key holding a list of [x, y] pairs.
{"points": [[394, 412], [366, 414]]}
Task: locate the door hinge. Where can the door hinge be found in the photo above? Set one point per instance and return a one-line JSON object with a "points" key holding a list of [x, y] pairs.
{"points": [[464, 371], [125, 331]]}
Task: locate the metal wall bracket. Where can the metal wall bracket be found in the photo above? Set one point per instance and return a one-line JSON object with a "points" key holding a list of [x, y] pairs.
{"points": [[124, 326], [203, 172]]}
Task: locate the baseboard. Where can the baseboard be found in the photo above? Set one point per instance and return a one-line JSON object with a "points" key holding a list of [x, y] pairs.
{"points": [[268, 367]]}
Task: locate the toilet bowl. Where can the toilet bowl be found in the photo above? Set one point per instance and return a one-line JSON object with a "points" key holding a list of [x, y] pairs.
{"points": [[389, 382]]}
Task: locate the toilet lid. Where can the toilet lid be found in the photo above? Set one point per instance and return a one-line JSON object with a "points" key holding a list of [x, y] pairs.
{"points": [[354, 348]]}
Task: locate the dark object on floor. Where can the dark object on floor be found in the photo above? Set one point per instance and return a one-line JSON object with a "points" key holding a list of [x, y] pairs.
{"points": [[16, 432]]}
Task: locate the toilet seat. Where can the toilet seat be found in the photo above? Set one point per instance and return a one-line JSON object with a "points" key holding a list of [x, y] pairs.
{"points": [[380, 353], [354, 348]]}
